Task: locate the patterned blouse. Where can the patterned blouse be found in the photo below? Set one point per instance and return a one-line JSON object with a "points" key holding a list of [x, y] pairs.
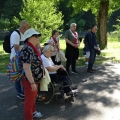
{"points": [[27, 55]]}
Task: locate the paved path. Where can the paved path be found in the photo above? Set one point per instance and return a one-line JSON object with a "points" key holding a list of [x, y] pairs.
{"points": [[98, 98]]}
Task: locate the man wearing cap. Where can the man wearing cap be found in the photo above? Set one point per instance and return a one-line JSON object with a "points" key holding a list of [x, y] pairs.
{"points": [[72, 42], [33, 72], [16, 42]]}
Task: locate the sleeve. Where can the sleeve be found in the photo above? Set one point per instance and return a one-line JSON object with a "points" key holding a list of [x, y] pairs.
{"points": [[66, 35], [90, 41], [46, 62], [15, 38], [27, 55]]}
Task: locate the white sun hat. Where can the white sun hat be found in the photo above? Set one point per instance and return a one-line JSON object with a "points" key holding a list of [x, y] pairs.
{"points": [[30, 32]]}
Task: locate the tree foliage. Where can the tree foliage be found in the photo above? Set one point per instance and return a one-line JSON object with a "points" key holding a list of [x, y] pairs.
{"points": [[82, 19], [93, 5], [102, 9], [42, 15], [9, 9]]}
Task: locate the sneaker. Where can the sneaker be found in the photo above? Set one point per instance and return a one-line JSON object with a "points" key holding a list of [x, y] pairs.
{"points": [[75, 72], [86, 63], [37, 114], [20, 96], [75, 91], [70, 93]]}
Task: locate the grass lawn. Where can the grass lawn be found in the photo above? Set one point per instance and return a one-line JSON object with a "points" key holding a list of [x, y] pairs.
{"points": [[111, 53]]}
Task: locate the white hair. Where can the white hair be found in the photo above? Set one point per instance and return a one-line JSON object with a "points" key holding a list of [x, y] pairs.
{"points": [[73, 24], [47, 48]]}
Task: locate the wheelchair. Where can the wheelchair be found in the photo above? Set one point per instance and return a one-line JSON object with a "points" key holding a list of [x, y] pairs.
{"points": [[56, 89]]}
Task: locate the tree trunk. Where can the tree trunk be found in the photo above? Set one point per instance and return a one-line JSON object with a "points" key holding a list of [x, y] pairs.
{"points": [[102, 19]]}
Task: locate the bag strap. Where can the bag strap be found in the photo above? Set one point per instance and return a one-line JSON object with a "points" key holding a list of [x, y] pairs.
{"points": [[19, 35]]}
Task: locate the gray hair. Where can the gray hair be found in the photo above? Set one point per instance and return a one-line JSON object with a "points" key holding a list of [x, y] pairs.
{"points": [[47, 48], [73, 24]]}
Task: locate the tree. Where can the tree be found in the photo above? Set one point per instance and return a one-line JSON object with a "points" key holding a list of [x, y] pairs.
{"points": [[9, 9], [102, 9], [42, 15], [82, 19], [113, 20]]}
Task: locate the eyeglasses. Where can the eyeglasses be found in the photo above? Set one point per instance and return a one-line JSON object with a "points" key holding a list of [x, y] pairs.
{"points": [[37, 36]]}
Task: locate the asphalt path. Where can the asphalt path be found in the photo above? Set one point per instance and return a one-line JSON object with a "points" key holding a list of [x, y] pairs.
{"points": [[98, 97]]}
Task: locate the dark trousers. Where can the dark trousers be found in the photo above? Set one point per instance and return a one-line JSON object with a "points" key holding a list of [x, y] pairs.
{"points": [[71, 61], [63, 79], [91, 59], [53, 59]]}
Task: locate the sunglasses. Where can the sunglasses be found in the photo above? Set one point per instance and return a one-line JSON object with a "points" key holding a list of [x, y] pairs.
{"points": [[37, 36]]}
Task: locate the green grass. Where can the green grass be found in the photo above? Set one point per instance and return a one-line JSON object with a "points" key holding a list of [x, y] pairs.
{"points": [[4, 59], [111, 54]]}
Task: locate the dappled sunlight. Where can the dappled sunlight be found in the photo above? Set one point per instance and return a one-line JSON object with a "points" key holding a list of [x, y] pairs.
{"points": [[12, 108], [6, 89]]}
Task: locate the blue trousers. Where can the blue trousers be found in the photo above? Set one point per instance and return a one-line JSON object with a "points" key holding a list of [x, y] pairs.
{"points": [[91, 59], [19, 87]]}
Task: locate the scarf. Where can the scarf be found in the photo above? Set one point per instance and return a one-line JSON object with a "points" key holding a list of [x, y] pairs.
{"points": [[75, 37]]}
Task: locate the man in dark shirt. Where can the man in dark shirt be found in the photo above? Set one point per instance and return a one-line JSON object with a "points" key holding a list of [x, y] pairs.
{"points": [[92, 43]]}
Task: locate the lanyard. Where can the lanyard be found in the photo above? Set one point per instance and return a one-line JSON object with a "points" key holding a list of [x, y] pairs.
{"points": [[75, 37]]}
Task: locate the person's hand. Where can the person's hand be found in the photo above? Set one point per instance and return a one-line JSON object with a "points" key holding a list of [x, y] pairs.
{"points": [[34, 87], [76, 45], [62, 67], [96, 48]]}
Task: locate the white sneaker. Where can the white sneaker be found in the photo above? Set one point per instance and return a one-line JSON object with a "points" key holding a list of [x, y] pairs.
{"points": [[76, 90], [37, 114], [86, 63]]}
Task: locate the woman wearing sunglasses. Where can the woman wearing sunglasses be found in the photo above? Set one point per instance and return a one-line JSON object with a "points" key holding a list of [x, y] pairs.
{"points": [[33, 72]]}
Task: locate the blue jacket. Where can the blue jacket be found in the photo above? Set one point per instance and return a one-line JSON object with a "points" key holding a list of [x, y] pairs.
{"points": [[90, 41]]}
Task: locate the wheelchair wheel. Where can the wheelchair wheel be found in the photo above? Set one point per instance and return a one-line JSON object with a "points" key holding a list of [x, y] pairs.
{"points": [[45, 96], [60, 98]]}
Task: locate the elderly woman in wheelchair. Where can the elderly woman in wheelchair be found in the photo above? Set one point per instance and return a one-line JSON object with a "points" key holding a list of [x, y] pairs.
{"points": [[55, 75]]}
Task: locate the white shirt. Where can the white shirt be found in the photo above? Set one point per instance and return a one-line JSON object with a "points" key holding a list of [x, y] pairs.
{"points": [[47, 62], [15, 38]]}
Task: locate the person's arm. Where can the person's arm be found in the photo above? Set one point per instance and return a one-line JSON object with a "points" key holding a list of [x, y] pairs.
{"points": [[16, 47], [15, 41], [89, 40], [49, 65], [55, 68], [29, 76]]}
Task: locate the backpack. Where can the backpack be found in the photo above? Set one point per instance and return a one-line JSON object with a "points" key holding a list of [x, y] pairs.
{"points": [[6, 43], [14, 69]]}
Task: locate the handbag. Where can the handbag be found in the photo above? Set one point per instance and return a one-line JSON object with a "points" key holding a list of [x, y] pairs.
{"points": [[98, 52], [45, 81]]}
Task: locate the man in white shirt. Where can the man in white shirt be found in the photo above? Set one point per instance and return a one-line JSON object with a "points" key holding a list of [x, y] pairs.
{"points": [[16, 42]]}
